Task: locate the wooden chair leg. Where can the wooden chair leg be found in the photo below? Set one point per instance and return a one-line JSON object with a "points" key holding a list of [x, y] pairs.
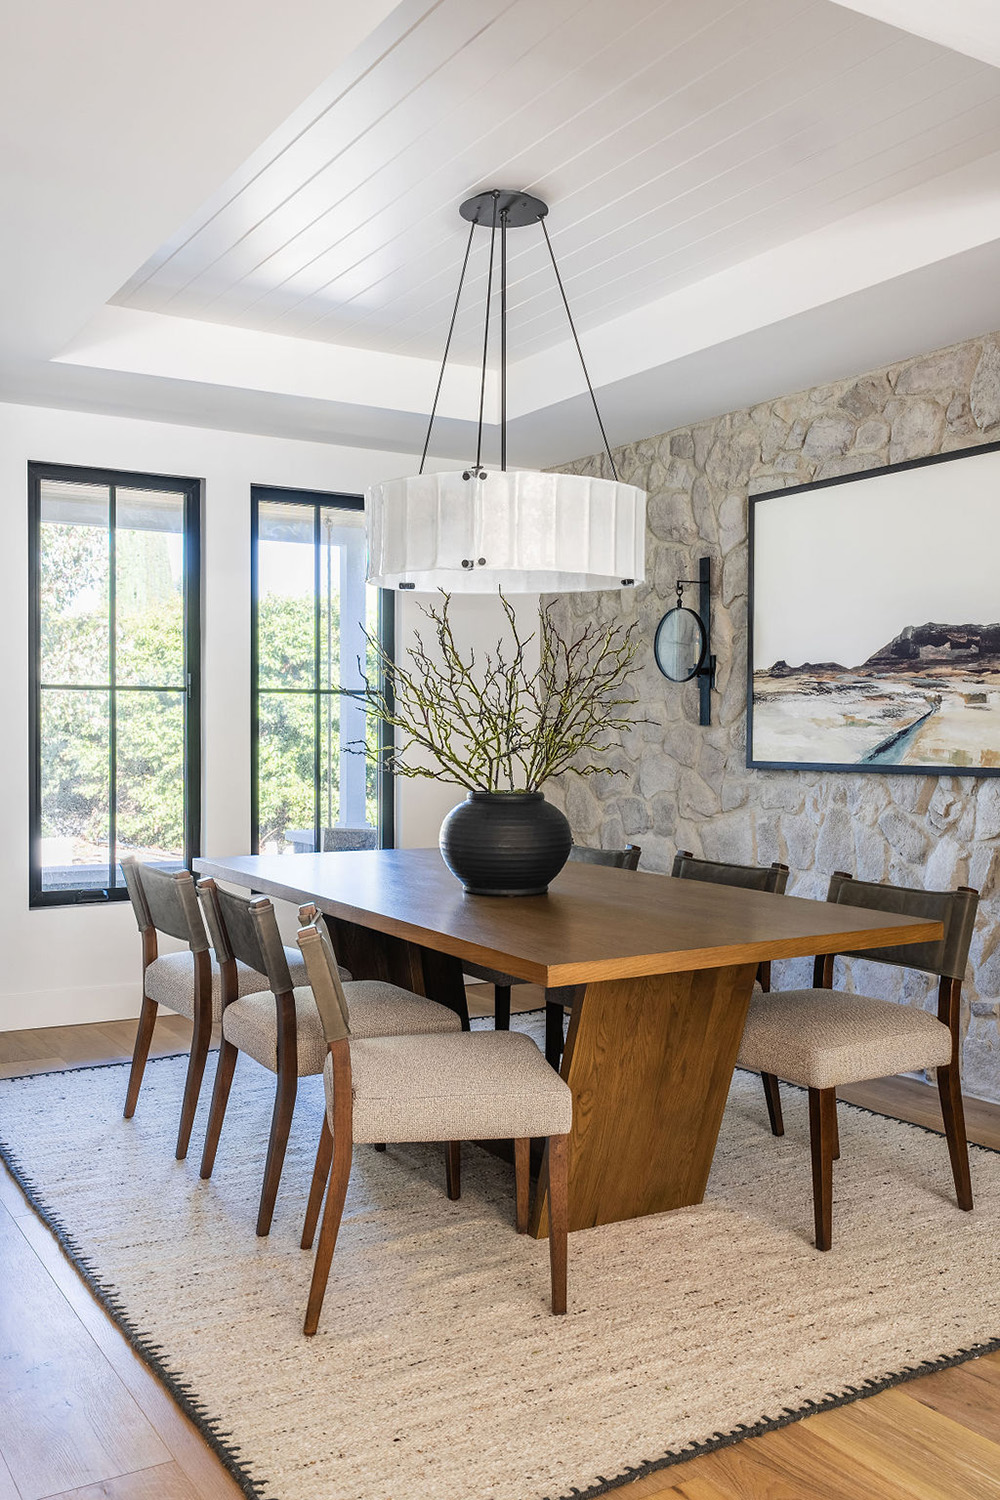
{"points": [[835, 1128], [225, 1068], [321, 1173], [553, 1032], [332, 1215], [558, 1157], [140, 1052], [453, 1168], [772, 1094], [522, 1181], [197, 1058], [822, 1126], [281, 1122], [953, 1110], [501, 1007]]}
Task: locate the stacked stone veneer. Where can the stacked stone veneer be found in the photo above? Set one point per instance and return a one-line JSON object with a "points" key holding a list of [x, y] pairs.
{"points": [[689, 787]]}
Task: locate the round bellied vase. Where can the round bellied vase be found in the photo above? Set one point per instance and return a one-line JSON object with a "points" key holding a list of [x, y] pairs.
{"points": [[505, 843]]}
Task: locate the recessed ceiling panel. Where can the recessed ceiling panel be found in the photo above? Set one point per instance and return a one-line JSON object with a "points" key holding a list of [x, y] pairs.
{"points": [[671, 138]]}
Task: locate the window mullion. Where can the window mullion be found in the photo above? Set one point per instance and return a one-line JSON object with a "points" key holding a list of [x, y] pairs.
{"points": [[317, 700], [112, 678]]}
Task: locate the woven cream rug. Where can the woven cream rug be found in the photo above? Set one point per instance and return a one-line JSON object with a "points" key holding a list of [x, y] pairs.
{"points": [[438, 1373]]}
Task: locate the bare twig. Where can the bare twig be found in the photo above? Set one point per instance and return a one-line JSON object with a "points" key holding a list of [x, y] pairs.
{"points": [[497, 725]]}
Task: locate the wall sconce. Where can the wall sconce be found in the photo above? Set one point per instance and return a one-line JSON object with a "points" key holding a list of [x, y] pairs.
{"points": [[682, 645]]}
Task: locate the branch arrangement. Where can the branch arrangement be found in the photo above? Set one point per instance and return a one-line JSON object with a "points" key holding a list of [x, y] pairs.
{"points": [[497, 725]]}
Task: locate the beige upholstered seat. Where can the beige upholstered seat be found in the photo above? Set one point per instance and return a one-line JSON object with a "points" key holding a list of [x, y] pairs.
{"points": [[473, 1085], [826, 1037], [379, 1010], [822, 1038], [170, 981], [450, 1087]]}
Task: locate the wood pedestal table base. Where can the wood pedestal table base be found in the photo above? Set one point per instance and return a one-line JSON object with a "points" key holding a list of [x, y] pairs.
{"points": [[650, 1062]]}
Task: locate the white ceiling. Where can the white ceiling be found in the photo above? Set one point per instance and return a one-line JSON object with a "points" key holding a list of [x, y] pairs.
{"points": [[746, 196]]}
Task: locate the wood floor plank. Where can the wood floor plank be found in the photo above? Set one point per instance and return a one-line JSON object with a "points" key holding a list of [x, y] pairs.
{"points": [[8, 1489], [11, 1197], [68, 1419], [183, 1440], [912, 1099], [789, 1464], [164, 1482], [969, 1394], [929, 1455]]}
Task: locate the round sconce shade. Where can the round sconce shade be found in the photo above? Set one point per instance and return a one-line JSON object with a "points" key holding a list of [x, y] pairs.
{"points": [[520, 531]]}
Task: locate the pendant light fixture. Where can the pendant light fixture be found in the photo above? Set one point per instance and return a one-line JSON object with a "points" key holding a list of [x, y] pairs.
{"points": [[478, 529]]}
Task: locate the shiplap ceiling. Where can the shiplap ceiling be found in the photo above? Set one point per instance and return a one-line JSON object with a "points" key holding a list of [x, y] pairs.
{"points": [[747, 197], [672, 139]]}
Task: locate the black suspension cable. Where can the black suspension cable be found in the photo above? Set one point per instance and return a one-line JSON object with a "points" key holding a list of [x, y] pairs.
{"points": [[447, 347], [486, 335], [503, 341], [583, 362]]}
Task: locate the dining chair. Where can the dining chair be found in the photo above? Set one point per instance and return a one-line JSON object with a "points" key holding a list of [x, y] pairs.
{"points": [[475, 1085], [189, 982], [773, 878], [621, 859], [823, 1039], [279, 1025]]}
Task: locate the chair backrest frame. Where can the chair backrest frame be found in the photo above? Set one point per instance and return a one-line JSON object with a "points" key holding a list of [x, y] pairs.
{"points": [[945, 960], [245, 928], [164, 901], [324, 980], [619, 859], [772, 878], [769, 878]]}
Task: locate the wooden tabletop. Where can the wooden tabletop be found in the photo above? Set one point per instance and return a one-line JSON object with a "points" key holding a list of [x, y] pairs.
{"points": [[595, 923]]}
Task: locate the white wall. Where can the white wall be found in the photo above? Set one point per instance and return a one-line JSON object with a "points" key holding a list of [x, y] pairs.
{"points": [[66, 965]]}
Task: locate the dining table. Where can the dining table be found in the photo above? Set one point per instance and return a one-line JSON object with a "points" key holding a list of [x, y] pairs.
{"points": [[658, 972]]}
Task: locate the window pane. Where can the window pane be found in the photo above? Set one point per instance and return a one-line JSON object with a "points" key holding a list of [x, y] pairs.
{"points": [[286, 597], [342, 593], [150, 776], [75, 789], [73, 568], [286, 748], [149, 587]]}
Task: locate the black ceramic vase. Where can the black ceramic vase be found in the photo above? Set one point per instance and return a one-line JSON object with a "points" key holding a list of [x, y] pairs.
{"points": [[505, 843]]}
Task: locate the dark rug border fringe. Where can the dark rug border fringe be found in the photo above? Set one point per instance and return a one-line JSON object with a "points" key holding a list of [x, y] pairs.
{"points": [[211, 1429]]}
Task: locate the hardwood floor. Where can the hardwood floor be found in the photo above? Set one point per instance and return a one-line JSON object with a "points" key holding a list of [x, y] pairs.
{"points": [[81, 1418]]}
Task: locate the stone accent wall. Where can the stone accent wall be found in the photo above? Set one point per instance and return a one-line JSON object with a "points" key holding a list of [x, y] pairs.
{"points": [[689, 786]]}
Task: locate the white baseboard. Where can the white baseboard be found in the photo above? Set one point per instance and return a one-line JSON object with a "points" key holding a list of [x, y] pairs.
{"points": [[23, 1010]]}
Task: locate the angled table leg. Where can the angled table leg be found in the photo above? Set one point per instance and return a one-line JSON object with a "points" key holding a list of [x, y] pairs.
{"points": [[650, 1062]]}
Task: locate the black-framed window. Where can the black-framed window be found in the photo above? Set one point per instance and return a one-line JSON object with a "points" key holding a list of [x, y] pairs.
{"points": [[310, 609], [114, 647]]}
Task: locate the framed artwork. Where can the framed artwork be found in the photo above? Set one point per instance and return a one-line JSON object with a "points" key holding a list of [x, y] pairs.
{"points": [[874, 629]]}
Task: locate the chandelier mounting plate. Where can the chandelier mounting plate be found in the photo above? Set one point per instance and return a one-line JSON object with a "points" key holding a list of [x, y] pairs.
{"points": [[520, 208]]}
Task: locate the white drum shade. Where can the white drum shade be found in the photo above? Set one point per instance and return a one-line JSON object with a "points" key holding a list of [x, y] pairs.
{"points": [[520, 531]]}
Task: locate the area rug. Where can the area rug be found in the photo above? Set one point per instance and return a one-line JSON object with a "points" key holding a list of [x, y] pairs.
{"points": [[438, 1372]]}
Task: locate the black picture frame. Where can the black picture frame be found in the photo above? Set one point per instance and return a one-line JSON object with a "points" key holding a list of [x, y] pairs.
{"points": [[757, 760]]}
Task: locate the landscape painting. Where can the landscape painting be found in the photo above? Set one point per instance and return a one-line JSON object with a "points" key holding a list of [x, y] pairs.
{"points": [[875, 620]]}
